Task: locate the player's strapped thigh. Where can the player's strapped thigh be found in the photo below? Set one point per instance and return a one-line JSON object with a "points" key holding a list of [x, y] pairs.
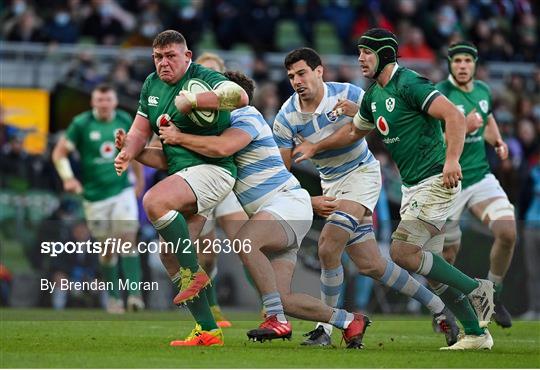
{"points": [[358, 232], [209, 183], [497, 209], [412, 231]]}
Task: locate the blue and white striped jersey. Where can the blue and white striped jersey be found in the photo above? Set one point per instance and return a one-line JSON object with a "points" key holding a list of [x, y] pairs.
{"points": [[261, 171], [314, 127]]}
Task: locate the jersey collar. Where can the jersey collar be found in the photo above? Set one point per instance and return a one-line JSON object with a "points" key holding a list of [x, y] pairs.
{"points": [[320, 107], [94, 113], [394, 70]]}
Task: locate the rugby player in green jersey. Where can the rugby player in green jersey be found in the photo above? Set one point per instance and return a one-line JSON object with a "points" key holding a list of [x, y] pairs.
{"points": [[406, 111], [196, 183], [110, 204], [481, 192]]}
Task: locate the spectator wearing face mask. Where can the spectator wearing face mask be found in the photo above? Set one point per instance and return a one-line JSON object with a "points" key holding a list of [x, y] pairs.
{"points": [[61, 28]]}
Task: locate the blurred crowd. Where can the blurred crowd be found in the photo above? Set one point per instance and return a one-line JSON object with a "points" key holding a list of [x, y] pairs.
{"points": [[504, 29]]}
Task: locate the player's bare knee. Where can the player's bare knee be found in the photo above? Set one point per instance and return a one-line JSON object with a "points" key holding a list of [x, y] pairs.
{"points": [[506, 234]]}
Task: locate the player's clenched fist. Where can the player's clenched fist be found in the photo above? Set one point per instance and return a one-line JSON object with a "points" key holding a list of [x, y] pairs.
{"points": [[451, 174], [121, 162]]}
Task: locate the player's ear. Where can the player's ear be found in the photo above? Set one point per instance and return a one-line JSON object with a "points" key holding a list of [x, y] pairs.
{"points": [[188, 54], [319, 70]]}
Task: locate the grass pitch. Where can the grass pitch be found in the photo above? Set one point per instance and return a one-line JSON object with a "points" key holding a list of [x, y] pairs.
{"points": [[94, 339]]}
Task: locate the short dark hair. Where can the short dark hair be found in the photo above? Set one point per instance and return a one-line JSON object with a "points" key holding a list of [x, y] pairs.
{"points": [[243, 81], [310, 56], [104, 88], [168, 37]]}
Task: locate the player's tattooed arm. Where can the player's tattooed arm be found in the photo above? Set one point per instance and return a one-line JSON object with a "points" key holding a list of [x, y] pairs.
{"points": [[135, 141], [151, 156]]}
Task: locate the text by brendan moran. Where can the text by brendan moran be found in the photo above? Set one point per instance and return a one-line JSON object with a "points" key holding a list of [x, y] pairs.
{"points": [[123, 284]]}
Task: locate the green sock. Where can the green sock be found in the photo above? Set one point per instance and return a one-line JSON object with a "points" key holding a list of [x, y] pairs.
{"points": [[110, 274], [131, 266], [211, 294], [443, 272], [176, 229], [498, 290], [458, 303]]}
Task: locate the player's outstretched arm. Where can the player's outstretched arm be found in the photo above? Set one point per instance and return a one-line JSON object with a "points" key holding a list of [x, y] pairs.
{"points": [[229, 142], [493, 136], [151, 156], [343, 137], [442, 109]]}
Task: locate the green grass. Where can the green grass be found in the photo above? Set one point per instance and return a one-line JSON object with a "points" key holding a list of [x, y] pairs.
{"points": [[93, 339]]}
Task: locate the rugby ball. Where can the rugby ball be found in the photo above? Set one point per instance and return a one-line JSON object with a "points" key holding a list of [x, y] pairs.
{"points": [[203, 118]]}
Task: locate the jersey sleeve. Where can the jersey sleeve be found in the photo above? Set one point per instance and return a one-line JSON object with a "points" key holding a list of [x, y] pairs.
{"points": [[418, 92], [74, 133], [247, 123], [283, 134], [142, 109], [363, 119]]}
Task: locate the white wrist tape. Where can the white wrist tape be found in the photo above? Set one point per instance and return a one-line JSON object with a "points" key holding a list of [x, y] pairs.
{"points": [[229, 95], [63, 167]]}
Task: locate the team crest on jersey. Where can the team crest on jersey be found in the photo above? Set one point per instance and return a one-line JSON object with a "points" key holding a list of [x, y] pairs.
{"points": [[483, 105], [153, 100], [390, 104], [382, 126], [95, 135], [107, 150], [332, 116]]}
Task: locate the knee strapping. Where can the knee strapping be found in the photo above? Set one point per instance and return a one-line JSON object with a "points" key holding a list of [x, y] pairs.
{"points": [[497, 209], [412, 232], [361, 234], [344, 221]]}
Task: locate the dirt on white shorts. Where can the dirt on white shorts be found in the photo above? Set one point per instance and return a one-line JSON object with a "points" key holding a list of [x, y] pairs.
{"points": [[428, 201]]}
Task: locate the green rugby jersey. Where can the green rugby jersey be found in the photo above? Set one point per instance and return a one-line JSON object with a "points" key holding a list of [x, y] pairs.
{"points": [[399, 112], [157, 98], [94, 140], [473, 160]]}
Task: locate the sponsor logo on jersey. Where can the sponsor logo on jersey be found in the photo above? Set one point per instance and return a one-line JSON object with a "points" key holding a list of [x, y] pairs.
{"points": [[332, 115], [153, 100], [483, 105], [390, 104], [374, 106], [382, 126], [107, 149], [95, 135], [163, 120]]}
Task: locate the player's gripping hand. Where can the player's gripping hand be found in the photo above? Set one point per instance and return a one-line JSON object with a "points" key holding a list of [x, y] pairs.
{"points": [[182, 103], [170, 134], [451, 174], [474, 121], [323, 205], [307, 148], [119, 139], [73, 186], [346, 107], [501, 149], [121, 162]]}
